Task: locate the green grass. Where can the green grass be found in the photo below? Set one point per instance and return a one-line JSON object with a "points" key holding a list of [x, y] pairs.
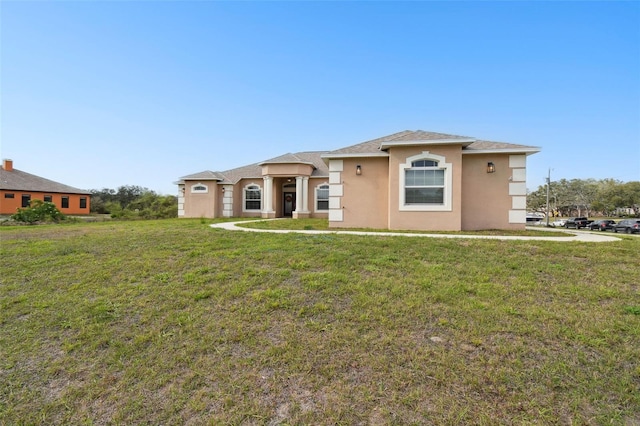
{"points": [[323, 225], [173, 322]]}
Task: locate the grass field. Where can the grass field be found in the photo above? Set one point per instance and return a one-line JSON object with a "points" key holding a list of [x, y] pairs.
{"points": [[173, 322]]}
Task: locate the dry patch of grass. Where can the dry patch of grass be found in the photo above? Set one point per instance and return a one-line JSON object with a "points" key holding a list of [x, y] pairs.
{"points": [[172, 322]]}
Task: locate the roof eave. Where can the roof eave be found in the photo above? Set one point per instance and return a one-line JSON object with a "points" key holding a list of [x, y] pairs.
{"points": [[286, 162], [455, 141], [528, 151], [182, 179], [353, 155]]}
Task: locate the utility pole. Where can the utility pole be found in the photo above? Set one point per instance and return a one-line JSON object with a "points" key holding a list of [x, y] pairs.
{"points": [[548, 183]]}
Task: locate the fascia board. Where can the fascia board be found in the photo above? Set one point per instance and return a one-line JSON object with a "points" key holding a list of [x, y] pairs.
{"points": [[464, 142], [527, 151], [201, 178], [354, 155], [286, 162]]}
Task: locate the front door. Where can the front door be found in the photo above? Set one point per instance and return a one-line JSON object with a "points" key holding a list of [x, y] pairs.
{"points": [[289, 203]]}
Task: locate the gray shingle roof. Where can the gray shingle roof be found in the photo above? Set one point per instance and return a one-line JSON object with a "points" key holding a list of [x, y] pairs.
{"points": [[255, 170], [17, 180], [479, 145], [373, 146], [205, 175], [367, 148]]}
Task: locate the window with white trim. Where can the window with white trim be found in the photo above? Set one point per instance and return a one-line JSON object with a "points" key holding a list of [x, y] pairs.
{"points": [[199, 188], [252, 198], [322, 197], [425, 183]]}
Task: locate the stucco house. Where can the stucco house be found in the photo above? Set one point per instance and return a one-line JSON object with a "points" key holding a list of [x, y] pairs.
{"points": [[411, 180], [18, 188]]}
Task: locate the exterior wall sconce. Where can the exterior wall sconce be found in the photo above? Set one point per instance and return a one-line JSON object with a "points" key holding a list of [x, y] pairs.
{"points": [[358, 169], [223, 189], [491, 167]]}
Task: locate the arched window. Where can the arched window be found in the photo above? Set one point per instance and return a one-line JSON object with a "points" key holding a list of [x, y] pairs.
{"points": [[425, 183], [199, 188], [322, 197], [252, 198]]}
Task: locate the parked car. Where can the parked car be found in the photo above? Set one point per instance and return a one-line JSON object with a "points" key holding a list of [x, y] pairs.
{"points": [[577, 222], [602, 225], [629, 226], [558, 223]]}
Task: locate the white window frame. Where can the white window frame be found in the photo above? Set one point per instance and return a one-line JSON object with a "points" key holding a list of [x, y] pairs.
{"points": [[251, 186], [448, 182], [199, 191], [324, 186]]}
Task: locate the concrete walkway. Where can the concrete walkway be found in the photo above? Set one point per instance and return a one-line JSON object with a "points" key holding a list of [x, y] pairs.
{"points": [[581, 236]]}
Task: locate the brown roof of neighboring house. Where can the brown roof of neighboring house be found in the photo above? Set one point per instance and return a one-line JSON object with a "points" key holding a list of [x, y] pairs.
{"points": [[17, 180]]}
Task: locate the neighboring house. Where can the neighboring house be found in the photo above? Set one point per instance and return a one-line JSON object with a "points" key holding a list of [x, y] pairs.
{"points": [[411, 180], [18, 188]]}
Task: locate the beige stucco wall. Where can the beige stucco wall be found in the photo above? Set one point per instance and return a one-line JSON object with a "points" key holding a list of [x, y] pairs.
{"points": [[485, 196], [238, 198], [425, 220], [287, 169], [200, 204], [365, 197], [313, 184]]}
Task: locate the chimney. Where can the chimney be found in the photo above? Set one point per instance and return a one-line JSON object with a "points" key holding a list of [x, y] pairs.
{"points": [[7, 164]]}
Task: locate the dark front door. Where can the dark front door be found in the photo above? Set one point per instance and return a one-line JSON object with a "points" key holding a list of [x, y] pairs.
{"points": [[289, 203]]}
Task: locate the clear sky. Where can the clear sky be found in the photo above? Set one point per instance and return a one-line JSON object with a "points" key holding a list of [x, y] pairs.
{"points": [[103, 94]]}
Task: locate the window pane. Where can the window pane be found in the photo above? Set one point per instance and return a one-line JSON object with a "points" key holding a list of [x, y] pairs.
{"points": [[83, 203], [253, 205], [323, 205], [252, 198], [424, 163], [424, 178], [438, 177], [65, 202], [424, 195], [410, 177]]}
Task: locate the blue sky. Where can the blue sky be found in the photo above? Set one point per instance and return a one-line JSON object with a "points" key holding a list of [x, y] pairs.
{"points": [[103, 94]]}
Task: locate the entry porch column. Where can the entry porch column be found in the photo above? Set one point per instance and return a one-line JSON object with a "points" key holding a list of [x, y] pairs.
{"points": [[267, 202], [302, 194]]}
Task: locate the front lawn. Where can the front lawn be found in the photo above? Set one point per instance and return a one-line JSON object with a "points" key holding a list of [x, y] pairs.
{"points": [[323, 225], [173, 322]]}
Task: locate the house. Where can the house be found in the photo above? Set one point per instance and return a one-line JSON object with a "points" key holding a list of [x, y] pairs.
{"points": [[18, 188], [411, 180]]}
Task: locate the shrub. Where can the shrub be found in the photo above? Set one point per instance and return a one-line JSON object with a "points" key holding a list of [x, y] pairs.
{"points": [[38, 211]]}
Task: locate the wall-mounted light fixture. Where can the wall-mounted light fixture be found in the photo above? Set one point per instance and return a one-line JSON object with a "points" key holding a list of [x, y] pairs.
{"points": [[223, 189], [358, 169], [491, 167]]}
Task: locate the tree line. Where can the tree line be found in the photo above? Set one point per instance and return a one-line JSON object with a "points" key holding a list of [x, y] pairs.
{"points": [[587, 197], [132, 201]]}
